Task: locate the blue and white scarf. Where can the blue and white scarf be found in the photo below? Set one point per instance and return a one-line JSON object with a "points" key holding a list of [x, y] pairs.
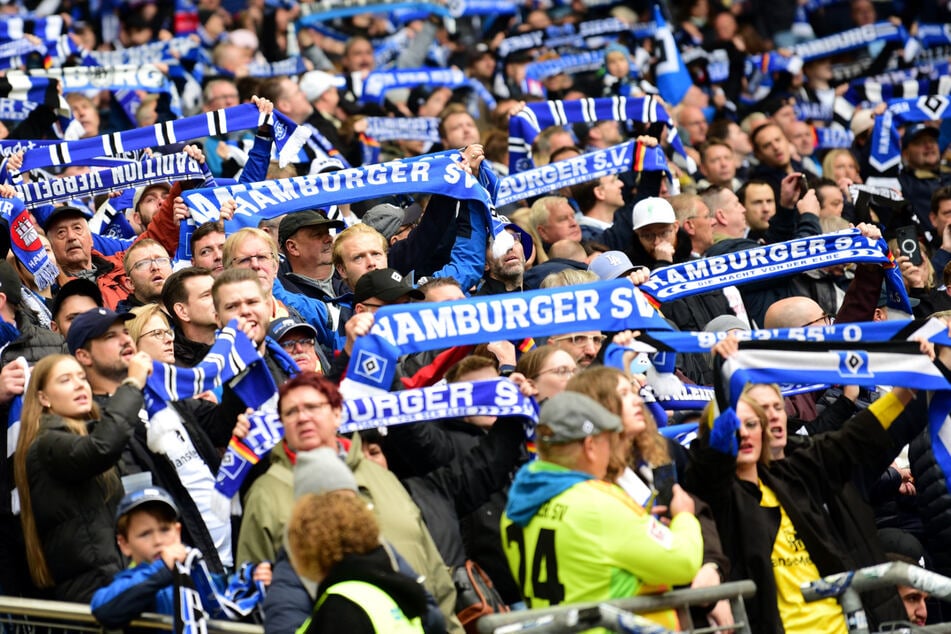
{"points": [[588, 34], [828, 138], [525, 125], [850, 40], [287, 136], [173, 50], [230, 355], [497, 397], [932, 35], [161, 169], [607, 306], [403, 128], [696, 397], [25, 242], [886, 142], [189, 615], [580, 169], [12, 53], [899, 84], [570, 64], [313, 13], [775, 260], [379, 82], [21, 87], [863, 363], [82, 78], [48, 28], [435, 174], [289, 66], [460, 8], [15, 110], [238, 599], [939, 429]]}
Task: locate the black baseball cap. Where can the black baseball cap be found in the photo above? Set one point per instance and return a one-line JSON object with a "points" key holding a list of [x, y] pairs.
{"points": [[915, 131], [10, 283], [64, 212], [292, 222], [385, 284], [91, 324], [280, 327], [78, 286]]}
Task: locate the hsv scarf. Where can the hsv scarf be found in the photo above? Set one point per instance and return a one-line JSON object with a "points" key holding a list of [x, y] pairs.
{"points": [[81, 78], [24, 88], [436, 174], [696, 397], [172, 50], [886, 142], [161, 169], [47, 29], [630, 155], [775, 260], [585, 35], [608, 306], [25, 242], [460, 8], [900, 84], [243, 453], [939, 428], [190, 617], [379, 82], [863, 363], [331, 10], [15, 110], [403, 128], [525, 125], [231, 353], [850, 40], [570, 64], [287, 136]]}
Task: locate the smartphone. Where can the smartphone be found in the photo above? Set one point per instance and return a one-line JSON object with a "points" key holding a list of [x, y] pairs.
{"points": [[803, 185], [665, 477], [908, 243]]}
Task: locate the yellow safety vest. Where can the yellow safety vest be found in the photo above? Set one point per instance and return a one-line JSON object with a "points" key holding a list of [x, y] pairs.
{"points": [[383, 612]]}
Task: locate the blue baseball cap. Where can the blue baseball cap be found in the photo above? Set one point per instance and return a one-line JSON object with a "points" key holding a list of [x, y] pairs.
{"points": [[148, 495], [91, 324]]}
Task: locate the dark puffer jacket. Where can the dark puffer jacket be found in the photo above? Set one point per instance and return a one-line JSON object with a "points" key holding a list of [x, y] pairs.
{"points": [[934, 502], [74, 509]]}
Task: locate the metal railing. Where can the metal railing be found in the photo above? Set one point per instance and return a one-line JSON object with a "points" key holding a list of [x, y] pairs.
{"points": [[24, 614], [846, 586], [618, 615]]}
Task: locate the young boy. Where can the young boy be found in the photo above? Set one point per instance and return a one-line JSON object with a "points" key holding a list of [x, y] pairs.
{"points": [[148, 532]]}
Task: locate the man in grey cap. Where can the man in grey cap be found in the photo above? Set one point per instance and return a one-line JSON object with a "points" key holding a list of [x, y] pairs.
{"points": [[393, 221], [592, 540]]}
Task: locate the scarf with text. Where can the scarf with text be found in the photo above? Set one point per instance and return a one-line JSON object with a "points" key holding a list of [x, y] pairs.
{"points": [[496, 397], [829, 138], [696, 397], [82, 78], [623, 157], [15, 110], [780, 259], [403, 128], [569, 64], [525, 125], [21, 87], [607, 306], [288, 137], [316, 12], [435, 174], [850, 40], [200, 596], [379, 82], [25, 242], [161, 169], [886, 141], [908, 83], [189, 615], [584, 35], [289, 66], [172, 50], [109, 221], [933, 35]]}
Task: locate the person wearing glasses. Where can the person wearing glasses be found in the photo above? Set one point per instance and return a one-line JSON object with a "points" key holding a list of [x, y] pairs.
{"points": [[299, 339], [147, 265], [547, 370], [152, 333], [582, 346]]}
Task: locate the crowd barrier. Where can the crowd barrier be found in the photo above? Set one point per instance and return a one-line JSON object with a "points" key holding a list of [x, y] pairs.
{"points": [[619, 615], [18, 615], [846, 586]]}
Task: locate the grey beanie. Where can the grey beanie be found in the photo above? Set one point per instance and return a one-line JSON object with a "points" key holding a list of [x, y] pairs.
{"points": [[321, 471]]}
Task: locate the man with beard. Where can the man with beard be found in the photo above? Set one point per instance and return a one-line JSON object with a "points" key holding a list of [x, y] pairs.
{"points": [[299, 339], [505, 274], [100, 341], [147, 264]]}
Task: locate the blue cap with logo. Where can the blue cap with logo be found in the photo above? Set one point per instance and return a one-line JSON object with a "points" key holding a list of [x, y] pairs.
{"points": [[91, 324]]}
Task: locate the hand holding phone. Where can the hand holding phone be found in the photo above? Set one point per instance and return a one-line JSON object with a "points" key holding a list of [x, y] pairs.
{"points": [[908, 244], [665, 477]]}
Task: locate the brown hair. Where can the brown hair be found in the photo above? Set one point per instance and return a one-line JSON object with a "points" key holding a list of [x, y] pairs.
{"points": [[29, 430], [325, 528], [706, 424]]}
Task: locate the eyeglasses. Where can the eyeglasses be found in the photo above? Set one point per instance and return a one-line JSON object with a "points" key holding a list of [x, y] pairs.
{"points": [[651, 236], [563, 370], [159, 333], [824, 320], [309, 408], [582, 340], [249, 260], [290, 344], [159, 262], [226, 97]]}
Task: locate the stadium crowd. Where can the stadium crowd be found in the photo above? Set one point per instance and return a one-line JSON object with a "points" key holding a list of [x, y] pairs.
{"points": [[380, 317]]}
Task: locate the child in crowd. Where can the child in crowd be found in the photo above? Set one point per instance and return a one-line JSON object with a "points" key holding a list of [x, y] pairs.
{"points": [[148, 532]]}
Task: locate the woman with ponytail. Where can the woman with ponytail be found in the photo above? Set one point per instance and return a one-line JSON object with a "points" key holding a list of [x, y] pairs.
{"points": [[65, 470]]}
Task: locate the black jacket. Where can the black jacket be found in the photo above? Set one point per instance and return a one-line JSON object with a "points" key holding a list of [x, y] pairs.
{"points": [[188, 353], [338, 614], [433, 460], [73, 508], [808, 484]]}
